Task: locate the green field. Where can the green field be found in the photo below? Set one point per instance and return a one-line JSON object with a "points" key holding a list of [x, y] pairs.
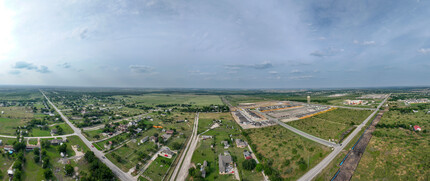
{"points": [[332, 124], [8, 126], [206, 120], [159, 168], [288, 153], [396, 152], [155, 99]]}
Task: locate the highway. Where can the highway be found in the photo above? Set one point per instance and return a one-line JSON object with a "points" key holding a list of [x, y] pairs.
{"points": [[327, 160], [118, 172], [301, 133], [181, 170]]}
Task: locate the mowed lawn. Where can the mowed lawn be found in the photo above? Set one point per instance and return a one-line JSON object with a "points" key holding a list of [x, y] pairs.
{"points": [[8, 126], [284, 149], [332, 124], [397, 153], [155, 99]]}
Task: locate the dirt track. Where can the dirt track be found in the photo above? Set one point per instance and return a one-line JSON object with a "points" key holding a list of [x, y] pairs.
{"points": [[349, 165]]}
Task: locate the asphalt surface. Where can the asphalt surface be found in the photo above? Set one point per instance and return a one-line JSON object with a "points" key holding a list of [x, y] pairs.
{"points": [[118, 172], [312, 173], [301, 133], [181, 170]]}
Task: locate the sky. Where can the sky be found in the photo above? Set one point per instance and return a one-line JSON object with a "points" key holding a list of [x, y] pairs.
{"points": [[215, 44]]}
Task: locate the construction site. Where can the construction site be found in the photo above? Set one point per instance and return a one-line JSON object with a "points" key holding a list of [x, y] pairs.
{"points": [[261, 114]]}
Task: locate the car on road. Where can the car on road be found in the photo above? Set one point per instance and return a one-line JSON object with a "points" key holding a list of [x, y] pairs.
{"points": [[103, 157], [92, 146]]}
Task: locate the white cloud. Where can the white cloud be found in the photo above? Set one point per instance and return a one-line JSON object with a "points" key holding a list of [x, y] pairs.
{"points": [[364, 42], [424, 50], [304, 77]]}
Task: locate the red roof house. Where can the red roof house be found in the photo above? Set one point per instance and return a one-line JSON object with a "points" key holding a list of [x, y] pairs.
{"points": [[417, 128]]}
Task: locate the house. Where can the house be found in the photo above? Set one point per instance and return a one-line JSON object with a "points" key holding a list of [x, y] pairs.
{"points": [[417, 128], [225, 163], [205, 137], [166, 136], [415, 111], [145, 139], [240, 143], [166, 152], [153, 139], [138, 130], [54, 131], [225, 143], [202, 168], [181, 121], [1, 142], [10, 173], [247, 154], [169, 132], [31, 147], [56, 142], [8, 148]]}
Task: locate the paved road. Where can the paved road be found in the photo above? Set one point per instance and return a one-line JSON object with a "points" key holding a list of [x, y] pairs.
{"points": [[185, 160], [327, 160], [41, 137], [118, 172], [301, 133]]}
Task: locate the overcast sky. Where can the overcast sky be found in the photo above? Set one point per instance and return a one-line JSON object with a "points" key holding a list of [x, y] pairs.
{"points": [[215, 44]]}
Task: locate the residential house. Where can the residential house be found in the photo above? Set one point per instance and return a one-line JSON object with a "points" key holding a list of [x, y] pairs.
{"points": [[240, 143], [1, 142], [166, 152], [54, 131], [169, 132], [417, 128], [31, 147], [225, 163], [166, 136], [202, 168], [247, 154], [145, 139], [225, 143], [205, 137], [153, 139], [56, 142]]}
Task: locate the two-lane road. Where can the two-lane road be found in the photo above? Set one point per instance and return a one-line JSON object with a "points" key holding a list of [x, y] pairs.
{"points": [[327, 160], [118, 172]]}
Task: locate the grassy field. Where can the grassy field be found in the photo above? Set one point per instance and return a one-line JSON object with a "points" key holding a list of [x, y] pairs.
{"points": [[158, 168], [5, 163], [66, 128], [39, 132], [237, 99], [90, 134], [332, 124], [285, 151], [205, 152], [396, 152], [8, 126], [16, 113], [155, 99], [206, 120]]}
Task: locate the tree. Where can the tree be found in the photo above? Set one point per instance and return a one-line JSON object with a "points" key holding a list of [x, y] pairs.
{"points": [[249, 164], [36, 158], [47, 173], [69, 170], [259, 167], [36, 151], [62, 148], [45, 162]]}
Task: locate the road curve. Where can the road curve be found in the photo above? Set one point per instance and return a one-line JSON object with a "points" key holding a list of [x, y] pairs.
{"points": [[312, 173], [118, 172], [301, 133]]}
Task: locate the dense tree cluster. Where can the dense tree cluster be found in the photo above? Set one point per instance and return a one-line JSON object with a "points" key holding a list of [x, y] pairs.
{"points": [[98, 170]]}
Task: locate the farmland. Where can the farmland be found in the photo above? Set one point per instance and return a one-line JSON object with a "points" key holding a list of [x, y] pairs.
{"points": [[156, 99], [332, 124]]}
